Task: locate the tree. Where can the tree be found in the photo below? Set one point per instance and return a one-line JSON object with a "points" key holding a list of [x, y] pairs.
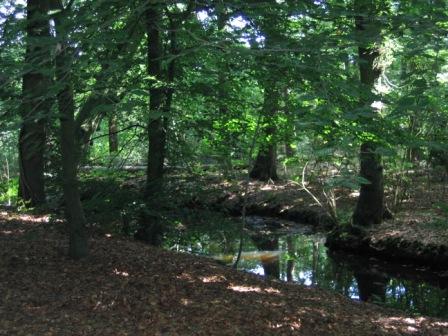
{"points": [[78, 243], [156, 131], [161, 85], [265, 166], [113, 133], [36, 103], [370, 206]]}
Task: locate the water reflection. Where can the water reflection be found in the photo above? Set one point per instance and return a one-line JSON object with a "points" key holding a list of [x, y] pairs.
{"points": [[303, 258], [371, 285], [271, 266]]}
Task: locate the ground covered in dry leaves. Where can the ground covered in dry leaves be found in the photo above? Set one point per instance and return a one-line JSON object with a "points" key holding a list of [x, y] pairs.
{"points": [[127, 288]]}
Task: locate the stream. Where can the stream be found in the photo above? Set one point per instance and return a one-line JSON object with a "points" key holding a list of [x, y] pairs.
{"points": [[294, 253]]}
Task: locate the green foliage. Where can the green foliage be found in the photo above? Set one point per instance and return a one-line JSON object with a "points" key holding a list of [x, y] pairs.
{"points": [[8, 190], [221, 75], [440, 220], [105, 198]]}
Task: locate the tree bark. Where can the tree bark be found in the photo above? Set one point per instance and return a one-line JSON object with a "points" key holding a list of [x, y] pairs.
{"points": [[265, 166], [78, 241], [156, 129], [113, 134], [35, 104], [370, 205], [225, 144]]}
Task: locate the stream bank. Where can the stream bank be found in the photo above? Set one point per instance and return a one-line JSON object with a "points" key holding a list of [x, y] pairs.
{"points": [[395, 241], [417, 235]]}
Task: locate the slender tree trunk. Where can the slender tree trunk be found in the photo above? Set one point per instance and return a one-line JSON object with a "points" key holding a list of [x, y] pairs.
{"points": [[370, 206], [113, 134], [35, 104], [290, 261], [156, 130], [78, 242], [265, 166], [224, 147]]}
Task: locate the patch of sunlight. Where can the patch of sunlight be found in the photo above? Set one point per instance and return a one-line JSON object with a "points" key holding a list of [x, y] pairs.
{"points": [[103, 306], [443, 77], [393, 233], [120, 273], [354, 194], [286, 208], [185, 276], [185, 302], [11, 232], [411, 324], [245, 289], [293, 325], [28, 218], [213, 278], [108, 235], [267, 187]]}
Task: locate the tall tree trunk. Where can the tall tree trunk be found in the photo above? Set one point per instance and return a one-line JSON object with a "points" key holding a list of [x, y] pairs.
{"points": [[370, 206], [156, 130], [265, 166], [35, 104], [224, 146], [113, 134], [78, 242]]}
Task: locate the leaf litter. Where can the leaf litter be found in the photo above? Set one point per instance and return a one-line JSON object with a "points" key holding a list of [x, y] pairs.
{"points": [[128, 288]]}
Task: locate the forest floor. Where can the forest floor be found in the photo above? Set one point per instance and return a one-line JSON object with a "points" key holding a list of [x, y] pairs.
{"points": [[128, 288]]}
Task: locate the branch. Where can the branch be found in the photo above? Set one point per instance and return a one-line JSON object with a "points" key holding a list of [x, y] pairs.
{"points": [[119, 131], [306, 189]]}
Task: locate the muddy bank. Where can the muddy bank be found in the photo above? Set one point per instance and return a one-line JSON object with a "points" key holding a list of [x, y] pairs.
{"points": [[395, 241], [285, 201]]}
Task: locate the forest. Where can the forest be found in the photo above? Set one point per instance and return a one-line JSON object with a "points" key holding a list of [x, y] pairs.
{"points": [[211, 167]]}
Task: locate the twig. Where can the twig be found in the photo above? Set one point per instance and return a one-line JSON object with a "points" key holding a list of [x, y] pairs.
{"points": [[306, 189]]}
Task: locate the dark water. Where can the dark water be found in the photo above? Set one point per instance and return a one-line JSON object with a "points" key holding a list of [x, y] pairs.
{"points": [[292, 253]]}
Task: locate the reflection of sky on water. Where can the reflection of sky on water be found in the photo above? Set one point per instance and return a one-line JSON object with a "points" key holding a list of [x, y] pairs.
{"points": [[257, 270], [305, 278], [353, 292]]}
